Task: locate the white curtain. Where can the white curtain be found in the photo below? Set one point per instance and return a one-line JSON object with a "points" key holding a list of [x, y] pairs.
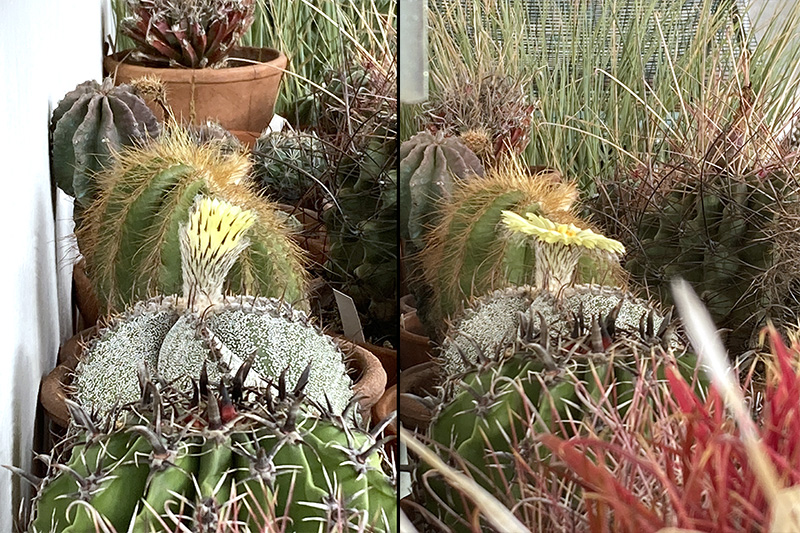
{"points": [[47, 47]]}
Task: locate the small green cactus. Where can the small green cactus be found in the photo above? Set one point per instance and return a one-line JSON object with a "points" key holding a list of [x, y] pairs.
{"points": [[88, 125], [203, 328], [130, 234], [287, 164], [362, 229], [243, 458], [720, 211]]}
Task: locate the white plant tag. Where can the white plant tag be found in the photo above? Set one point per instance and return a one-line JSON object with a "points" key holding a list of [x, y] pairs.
{"points": [[350, 322]]}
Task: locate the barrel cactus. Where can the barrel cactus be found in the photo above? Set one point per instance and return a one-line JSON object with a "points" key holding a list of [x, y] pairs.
{"points": [[212, 132], [88, 125], [287, 164], [720, 210], [521, 362], [428, 166], [471, 252], [195, 34], [243, 457], [130, 233], [493, 321], [180, 335]]}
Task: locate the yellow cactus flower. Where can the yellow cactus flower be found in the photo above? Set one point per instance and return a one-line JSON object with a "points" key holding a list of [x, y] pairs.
{"points": [[567, 234], [210, 243], [559, 247], [218, 226]]}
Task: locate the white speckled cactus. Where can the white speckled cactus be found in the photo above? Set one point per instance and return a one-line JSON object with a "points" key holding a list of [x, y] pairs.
{"points": [[178, 335], [493, 321]]}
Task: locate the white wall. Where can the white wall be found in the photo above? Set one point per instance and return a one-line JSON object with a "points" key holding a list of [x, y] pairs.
{"points": [[46, 48]]}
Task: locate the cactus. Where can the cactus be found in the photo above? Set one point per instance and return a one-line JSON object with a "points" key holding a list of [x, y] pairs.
{"points": [[287, 164], [194, 34], [130, 233], [362, 228], [720, 212], [494, 105], [180, 335], [493, 321], [470, 252], [245, 458], [521, 361], [212, 132], [428, 166], [88, 125]]}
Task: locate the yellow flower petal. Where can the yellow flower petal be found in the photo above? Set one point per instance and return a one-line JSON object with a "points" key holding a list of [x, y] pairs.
{"points": [[550, 232]]}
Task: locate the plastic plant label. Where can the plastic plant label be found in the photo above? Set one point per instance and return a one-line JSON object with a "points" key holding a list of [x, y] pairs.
{"points": [[350, 321]]}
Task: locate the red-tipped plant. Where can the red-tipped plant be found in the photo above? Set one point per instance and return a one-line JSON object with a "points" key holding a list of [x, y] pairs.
{"points": [[690, 465]]}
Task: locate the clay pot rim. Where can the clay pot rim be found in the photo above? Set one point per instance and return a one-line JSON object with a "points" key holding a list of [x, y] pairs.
{"points": [[276, 62]]}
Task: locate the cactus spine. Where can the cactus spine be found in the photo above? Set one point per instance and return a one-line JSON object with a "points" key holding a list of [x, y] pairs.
{"points": [[244, 456], [91, 123], [130, 233]]}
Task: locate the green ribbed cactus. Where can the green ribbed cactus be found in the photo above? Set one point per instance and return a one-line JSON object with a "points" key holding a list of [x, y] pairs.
{"points": [[428, 166], [523, 359], [130, 233], [287, 164], [716, 233], [180, 335], [244, 458], [470, 252], [88, 125], [720, 211], [362, 230]]}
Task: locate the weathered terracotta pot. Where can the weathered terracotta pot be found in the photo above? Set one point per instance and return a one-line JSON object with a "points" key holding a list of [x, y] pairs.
{"points": [[384, 407], [53, 393], [416, 382], [241, 96], [370, 381], [415, 345], [386, 356], [85, 297]]}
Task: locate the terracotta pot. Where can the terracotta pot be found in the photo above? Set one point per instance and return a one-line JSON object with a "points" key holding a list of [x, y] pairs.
{"points": [[415, 345], [417, 382], [407, 303], [384, 407], [53, 392], [388, 359], [85, 297], [370, 383], [241, 97]]}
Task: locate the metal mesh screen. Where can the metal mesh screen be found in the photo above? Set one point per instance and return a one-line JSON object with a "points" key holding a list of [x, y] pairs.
{"points": [[549, 17]]}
